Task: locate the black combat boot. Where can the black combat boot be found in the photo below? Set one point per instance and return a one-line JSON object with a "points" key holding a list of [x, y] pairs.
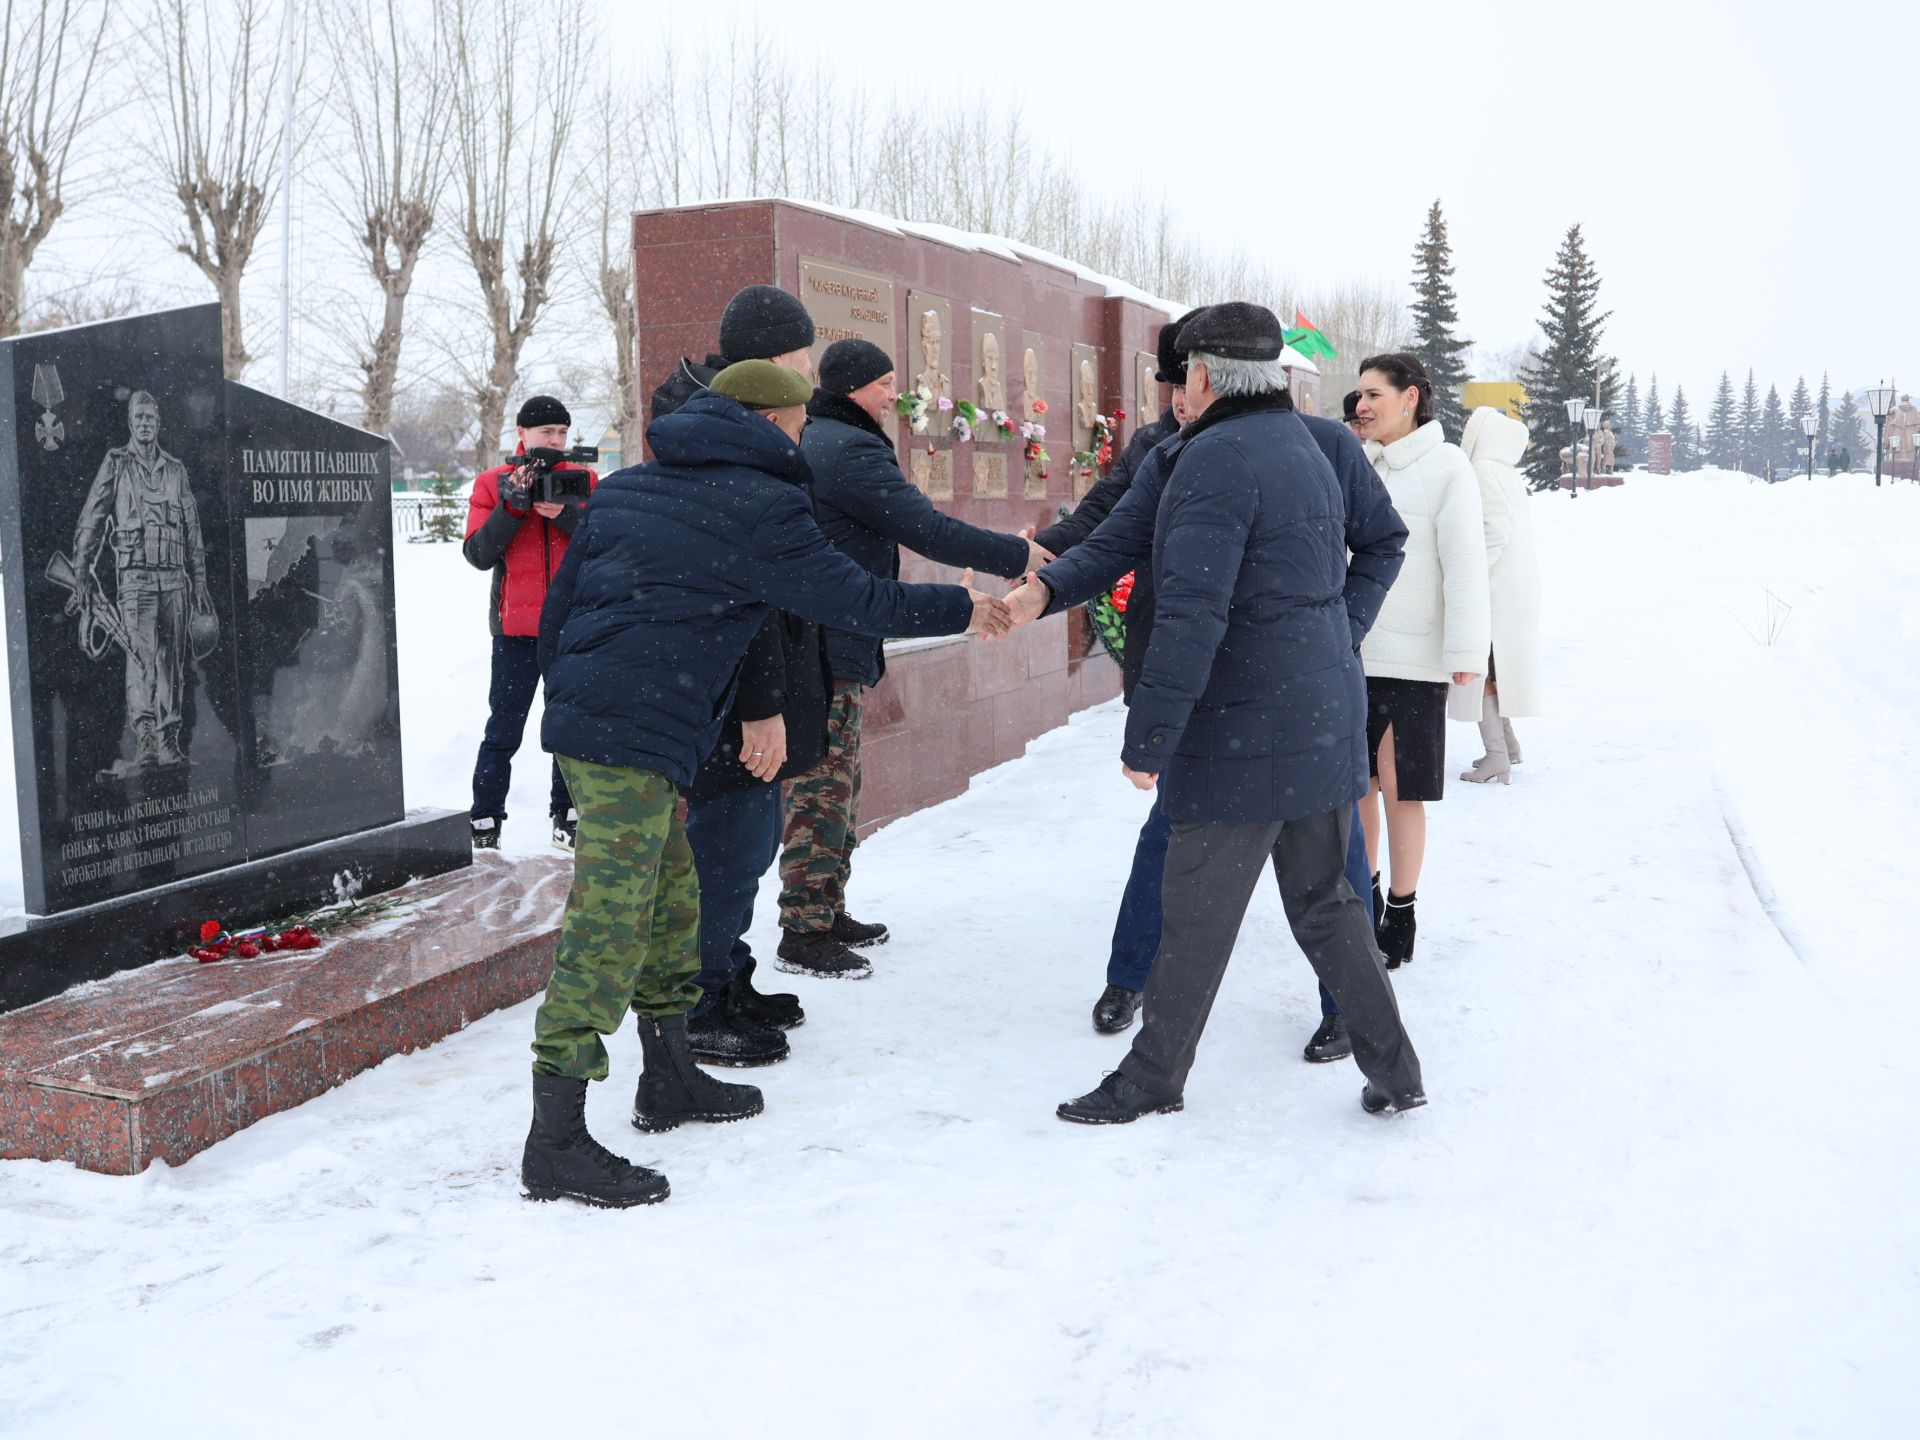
{"points": [[673, 1090], [851, 932], [1395, 930], [780, 1010], [820, 955], [1376, 1101], [562, 1161], [720, 1037], [1115, 1009], [1330, 1041], [1118, 1101]]}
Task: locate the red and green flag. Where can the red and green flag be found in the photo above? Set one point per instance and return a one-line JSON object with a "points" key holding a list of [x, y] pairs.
{"points": [[1307, 339]]}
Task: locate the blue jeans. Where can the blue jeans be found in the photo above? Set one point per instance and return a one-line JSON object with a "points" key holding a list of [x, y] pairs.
{"points": [[1136, 932], [735, 837], [516, 675]]}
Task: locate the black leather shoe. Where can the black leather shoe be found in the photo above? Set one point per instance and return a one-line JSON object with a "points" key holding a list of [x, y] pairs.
{"points": [[1376, 1101], [849, 931], [1118, 1101], [1329, 1042], [721, 1037], [1115, 1009], [821, 956]]}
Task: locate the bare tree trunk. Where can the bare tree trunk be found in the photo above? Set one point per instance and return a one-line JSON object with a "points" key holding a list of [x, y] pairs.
{"points": [[219, 67], [47, 64], [390, 86], [612, 177], [511, 138]]}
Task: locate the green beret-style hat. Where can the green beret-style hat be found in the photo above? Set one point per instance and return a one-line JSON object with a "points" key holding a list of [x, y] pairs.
{"points": [[762, 385]]}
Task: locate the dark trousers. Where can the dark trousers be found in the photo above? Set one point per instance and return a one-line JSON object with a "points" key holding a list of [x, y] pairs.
{"points": [[735, 837], [516, 675], [1210, 874], [1136, 930]]}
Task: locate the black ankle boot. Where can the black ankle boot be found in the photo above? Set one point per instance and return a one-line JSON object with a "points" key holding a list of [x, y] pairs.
{"points": [[721, 1037], [782, 1011], [1330, 1042], [1396, 930], [563, 1161], [673, 1090]]}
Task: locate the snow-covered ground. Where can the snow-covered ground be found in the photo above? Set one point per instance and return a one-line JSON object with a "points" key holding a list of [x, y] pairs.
{"points": [[1666, 1185]]}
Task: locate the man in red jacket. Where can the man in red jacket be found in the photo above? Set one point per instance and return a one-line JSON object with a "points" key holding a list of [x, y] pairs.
{"points": [[521, 539]]}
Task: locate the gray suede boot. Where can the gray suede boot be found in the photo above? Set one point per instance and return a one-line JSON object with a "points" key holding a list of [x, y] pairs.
{"points": [[1513, 745], [1494, 765]]}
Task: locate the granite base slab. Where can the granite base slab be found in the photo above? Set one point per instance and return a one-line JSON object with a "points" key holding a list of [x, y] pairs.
{"points": [[43, 956], [162, 1062]]}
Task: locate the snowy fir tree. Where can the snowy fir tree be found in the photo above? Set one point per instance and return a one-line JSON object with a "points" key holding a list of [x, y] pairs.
{"points": [[1798, 406], [1723, 445], [1686, 448], [1570, 359], [1435, 314], [1632, 440], [1775, 448], [1654, 418], [1747, 426], [1844, 443], [1824, 414]]}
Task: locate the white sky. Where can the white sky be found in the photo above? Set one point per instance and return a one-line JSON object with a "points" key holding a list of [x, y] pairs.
{"points": [[1748, 175]]}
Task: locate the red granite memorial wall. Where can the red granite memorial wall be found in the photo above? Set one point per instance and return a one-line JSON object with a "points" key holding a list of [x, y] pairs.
{"points": [[947, 709]]}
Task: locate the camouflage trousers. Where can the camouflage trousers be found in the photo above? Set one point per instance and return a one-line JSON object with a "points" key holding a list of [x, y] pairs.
{"points": [[631, 936], [823, 811]]}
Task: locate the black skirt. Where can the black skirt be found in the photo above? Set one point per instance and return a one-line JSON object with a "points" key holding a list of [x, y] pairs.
{"points": [[1417, 712]]}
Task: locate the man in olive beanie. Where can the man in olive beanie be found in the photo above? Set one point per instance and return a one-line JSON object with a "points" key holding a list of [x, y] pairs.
{"points": [[868, 509]]}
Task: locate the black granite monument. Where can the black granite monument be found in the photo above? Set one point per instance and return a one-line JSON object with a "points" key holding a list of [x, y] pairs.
{"points": [[200, 630]]}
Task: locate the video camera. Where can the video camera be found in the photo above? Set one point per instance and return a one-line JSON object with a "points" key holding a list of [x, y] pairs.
{"points": [[534, 472]]}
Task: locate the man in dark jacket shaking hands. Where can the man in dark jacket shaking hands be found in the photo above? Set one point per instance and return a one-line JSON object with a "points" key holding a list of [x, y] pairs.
{"points": [[668, 580], [1250, 712], [868, 509]]}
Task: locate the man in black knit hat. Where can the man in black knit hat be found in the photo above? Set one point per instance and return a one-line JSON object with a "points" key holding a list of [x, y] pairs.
{"points": [[761, 322], [868, 509]]}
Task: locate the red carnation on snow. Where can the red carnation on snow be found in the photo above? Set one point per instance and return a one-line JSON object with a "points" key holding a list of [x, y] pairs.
{"points": [[209, 931]]}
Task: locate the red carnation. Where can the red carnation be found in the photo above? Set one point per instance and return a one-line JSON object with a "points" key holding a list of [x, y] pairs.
{"points": [[247, 950], [1039, 407], [269, 943], [1119, 415], [209, 931]]}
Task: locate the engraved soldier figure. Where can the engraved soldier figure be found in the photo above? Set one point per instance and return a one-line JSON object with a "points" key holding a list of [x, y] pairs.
{"points": [[993, 390], [1088, 410], [142, 507], [1607, 447], [930, 379]]}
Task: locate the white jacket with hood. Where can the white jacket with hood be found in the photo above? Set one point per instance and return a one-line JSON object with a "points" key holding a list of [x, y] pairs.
{"points": [[1435, 619], [1493, 443]]}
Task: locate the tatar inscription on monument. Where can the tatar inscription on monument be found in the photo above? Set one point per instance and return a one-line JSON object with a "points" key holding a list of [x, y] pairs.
{"points": [[989, 475], [933, 472], [846, 304]]}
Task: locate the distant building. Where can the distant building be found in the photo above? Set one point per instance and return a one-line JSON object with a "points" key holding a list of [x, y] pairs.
{"points": [[1506, 396]]}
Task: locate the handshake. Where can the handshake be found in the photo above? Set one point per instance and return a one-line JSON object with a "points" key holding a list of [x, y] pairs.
{"points": [[995, 616]]}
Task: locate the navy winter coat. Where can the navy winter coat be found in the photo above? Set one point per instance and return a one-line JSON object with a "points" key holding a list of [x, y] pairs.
{"points": [[671, 576], [869, 510], [1278, 704]]}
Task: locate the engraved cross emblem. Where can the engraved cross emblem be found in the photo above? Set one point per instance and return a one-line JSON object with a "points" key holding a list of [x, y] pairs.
{"points": [[47, 394]]}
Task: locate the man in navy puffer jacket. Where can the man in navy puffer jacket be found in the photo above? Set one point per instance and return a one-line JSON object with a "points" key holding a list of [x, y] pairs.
{"points": [[666, 583]]}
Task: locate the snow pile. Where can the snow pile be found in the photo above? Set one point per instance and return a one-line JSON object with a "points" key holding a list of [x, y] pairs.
{"points": [[1666, 1184]]}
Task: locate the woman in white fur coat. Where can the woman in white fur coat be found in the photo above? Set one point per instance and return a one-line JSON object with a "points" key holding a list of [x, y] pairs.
{"points": [[1493, 444], [1433, 632]]}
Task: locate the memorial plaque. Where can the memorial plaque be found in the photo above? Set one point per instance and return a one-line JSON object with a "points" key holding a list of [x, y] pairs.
{"points": [[1086, 395], [1036, 481], [990, 362], [1146, 390], [199, 597], [127, 722], [311, 519], [933, 473], [989, 475], [844, 304], [930, 354]]}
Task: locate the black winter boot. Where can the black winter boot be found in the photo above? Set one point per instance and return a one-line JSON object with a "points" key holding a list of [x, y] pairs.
{"points": [[721, 1037], [563, 1161], [1115, 1009], [673, 1090], [1395, 930], [851, 932], [780, 1010], [820, 955], [1329, 1042]]}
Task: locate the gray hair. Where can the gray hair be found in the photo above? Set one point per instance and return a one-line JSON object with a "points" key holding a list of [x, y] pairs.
{"points": [[1240, 377]]}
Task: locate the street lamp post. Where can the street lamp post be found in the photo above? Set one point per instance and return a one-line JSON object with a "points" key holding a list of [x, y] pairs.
{"points": [[1880, 401], [1810, 427], [1576, 413], [1590, 417]]}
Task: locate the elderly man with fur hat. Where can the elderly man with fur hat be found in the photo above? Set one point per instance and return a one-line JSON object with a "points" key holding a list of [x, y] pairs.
{"points": [[672, 573]]}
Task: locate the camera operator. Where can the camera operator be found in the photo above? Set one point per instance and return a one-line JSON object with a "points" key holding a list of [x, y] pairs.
{"points": [[518, 522]]}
